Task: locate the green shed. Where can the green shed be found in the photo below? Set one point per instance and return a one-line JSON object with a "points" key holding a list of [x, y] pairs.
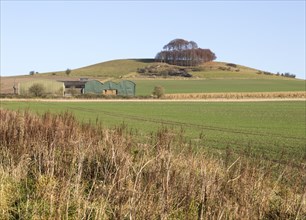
{"points": [[110, 88], [124, 88], [93, 87]]}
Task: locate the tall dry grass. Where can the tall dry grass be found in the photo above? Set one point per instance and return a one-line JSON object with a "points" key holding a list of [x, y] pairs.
{"points": [[53, 167], [237, 95]]}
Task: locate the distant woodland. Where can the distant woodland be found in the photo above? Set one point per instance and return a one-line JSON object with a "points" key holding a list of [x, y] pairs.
{"points": [[184, 53]]}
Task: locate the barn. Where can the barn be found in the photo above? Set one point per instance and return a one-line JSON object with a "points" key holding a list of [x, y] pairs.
{"points": [[50, 87], [73, 87], [122, 88]]}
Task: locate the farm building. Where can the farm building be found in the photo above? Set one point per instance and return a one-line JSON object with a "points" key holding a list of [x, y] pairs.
{"points": [[123, 88], [50, 87], [74, 86]]}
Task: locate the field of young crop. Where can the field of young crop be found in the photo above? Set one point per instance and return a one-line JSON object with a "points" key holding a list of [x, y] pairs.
{"points": [[54, 167], [145, 87], [273, 130]]}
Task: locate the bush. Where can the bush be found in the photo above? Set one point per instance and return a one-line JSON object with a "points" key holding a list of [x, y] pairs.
{"points": [[231, 65], [267, 73], [73, 91], [289, 75], [222, 68], [68, 71], [159, 91], [163, 70], [37, 90]]}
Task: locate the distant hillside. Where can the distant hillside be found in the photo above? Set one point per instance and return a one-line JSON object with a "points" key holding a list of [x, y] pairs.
{"points": [[109, 69], [142, 70], [129, 68]]}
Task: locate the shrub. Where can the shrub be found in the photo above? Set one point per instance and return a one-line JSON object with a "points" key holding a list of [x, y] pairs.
{"points": [[267, 73], [159, 91], [163, 70], [68, 71], [231, 65], [198, 69], [73, 91], [289, 75], [37, 90], [221, 68]]}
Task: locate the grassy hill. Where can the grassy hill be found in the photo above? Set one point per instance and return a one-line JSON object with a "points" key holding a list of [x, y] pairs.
{"points": [[129, 67], [109, 69], [208, 77]]}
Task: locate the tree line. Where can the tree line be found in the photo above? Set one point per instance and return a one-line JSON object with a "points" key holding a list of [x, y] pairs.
{"points": [[184, 53]]}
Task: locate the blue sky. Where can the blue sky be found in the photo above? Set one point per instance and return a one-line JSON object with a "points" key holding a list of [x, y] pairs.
{"points": [[49, 36]]}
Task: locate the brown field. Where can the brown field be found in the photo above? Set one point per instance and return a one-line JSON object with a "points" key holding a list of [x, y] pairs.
{"points": [[7, 83], [240, 95]]}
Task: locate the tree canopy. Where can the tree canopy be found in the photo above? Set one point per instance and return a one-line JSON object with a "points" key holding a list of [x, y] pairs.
{"points": [[184, 53]]}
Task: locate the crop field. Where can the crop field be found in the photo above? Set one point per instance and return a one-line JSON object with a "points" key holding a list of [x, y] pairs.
{"points": [[145, 87], [273, 130], [54, 167], [109, 160], [235, 150]]}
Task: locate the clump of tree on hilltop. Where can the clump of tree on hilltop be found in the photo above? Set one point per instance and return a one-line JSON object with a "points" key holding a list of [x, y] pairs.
{"points": [[184, 53]]}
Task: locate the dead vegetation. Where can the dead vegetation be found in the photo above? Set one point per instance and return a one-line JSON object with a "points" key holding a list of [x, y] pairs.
{"points": [[53, 167], [238, 95]]}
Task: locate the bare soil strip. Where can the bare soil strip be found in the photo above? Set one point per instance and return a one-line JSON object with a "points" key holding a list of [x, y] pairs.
{"points": [[157, 100]]}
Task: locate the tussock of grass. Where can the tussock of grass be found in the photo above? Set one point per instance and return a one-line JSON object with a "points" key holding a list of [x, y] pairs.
{"points": [[53, 167]]}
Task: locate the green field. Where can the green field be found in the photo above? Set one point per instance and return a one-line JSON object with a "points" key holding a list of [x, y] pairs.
{"points": [[273, 130], [145, 87]]}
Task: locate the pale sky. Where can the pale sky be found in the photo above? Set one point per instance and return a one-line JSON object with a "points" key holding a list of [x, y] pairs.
{"points": [[47, 36]]}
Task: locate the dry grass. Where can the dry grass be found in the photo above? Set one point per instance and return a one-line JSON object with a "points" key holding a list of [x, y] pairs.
{"points": [[237, 95], [53, 167]]}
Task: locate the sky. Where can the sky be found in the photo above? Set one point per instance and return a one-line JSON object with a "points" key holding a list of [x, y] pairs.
{"points": [[47, 36]]}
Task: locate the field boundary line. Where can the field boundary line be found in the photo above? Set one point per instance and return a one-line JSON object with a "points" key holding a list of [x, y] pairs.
{"points": [[157, 100]]}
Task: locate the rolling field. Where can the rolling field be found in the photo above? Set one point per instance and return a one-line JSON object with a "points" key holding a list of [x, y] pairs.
{"points": [[145, 87], [156, 159], [54, 167], [272, 130], [207, 79]]}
